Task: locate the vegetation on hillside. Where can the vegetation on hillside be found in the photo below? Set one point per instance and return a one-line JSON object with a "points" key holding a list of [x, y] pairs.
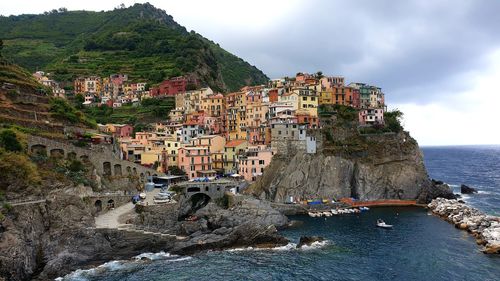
{"points": [[141, 41], [64, 112], [150, 110]]}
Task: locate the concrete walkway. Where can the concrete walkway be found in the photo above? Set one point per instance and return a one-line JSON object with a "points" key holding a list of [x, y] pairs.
{"points": [[14, 203], [110, 218]]}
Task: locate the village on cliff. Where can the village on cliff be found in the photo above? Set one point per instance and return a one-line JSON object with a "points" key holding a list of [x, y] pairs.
{"points": [[212, 134]]}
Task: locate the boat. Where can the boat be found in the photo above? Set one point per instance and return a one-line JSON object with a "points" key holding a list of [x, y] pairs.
{"points": [[382, 224], [313, 215], [162, 201], [364, 208]]}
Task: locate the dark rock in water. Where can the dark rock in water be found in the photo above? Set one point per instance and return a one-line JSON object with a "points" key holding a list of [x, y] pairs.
{"points": [[435, 190], [458, 195], [308, 240], [464, 189], [295, 223], [437, 182]]}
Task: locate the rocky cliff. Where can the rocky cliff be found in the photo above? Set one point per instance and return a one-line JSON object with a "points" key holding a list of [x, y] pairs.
{"points": [[47, 240], [386, 166]]}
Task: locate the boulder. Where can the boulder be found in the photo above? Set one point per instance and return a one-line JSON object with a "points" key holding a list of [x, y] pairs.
{"points": [[437, 189], [464, 189], [308, 240]]}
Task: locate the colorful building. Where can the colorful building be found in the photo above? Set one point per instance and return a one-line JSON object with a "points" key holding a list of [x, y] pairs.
{"points": [[253, 162], [232, 150]]}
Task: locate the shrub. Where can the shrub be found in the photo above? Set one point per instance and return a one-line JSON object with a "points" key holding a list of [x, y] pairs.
{"points": [[393, 120], [9, 141], [17, 170], [176, 171], [75, 166]]}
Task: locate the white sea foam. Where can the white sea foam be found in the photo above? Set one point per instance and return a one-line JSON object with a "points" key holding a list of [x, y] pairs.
{"points": [[154, 256], [83, 274], [483, 192], [316, 245], [287, 247]]}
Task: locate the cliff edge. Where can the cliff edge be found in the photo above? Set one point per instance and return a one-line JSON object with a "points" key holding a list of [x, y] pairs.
{"points": [[365, 167]]}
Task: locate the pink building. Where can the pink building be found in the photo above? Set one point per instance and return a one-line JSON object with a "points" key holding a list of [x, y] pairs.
{"points": [[371, 116], [196, 161], [255, 160]]}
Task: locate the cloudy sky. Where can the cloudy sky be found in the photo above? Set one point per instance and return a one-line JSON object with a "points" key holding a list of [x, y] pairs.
{"points": [[437, 61]]}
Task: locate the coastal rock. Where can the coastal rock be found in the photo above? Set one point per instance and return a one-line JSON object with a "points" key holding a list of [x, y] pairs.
{"points": [[464, 189], [390, 167], [485, 228], [308, 240], [437, 189]]}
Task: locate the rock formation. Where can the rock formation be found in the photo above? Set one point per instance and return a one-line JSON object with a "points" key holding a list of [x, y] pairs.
{"points": [[386, 167], [49, 240], [485, 228], [464, 189], [309, 240]]}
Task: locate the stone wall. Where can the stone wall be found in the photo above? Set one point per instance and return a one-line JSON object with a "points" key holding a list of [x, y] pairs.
{"points": [[101, 157]]}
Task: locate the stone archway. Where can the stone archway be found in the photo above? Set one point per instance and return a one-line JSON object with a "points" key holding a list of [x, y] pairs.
{"points": [[117, 170], [111, 204], [39, 150], [129, 170], [98, 205], [193, 204], [71, 155], [57, 153], [84, 159], [134, 171], [106, 168]]}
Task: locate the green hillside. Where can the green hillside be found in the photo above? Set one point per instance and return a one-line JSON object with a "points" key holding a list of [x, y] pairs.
{"points": [[141, 41]]}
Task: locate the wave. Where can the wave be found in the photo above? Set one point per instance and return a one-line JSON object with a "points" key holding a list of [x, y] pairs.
{"points": [[84, 274], [81, 274], [316, 245], [288, 247], [484, 192]]}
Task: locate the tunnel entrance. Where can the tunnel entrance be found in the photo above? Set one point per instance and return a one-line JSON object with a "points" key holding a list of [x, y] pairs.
{"points": [[193, 204]]}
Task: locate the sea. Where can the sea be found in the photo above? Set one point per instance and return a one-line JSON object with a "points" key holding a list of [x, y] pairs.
{"points": [[419, 247]]}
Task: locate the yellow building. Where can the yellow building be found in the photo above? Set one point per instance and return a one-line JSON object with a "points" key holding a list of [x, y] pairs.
{"points": [[232, 150], [308, 100], [236, 116], [151, 158], [218, 161], [214, 105]]}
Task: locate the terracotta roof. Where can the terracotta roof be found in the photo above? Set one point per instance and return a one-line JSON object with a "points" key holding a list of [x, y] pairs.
{"points": [[234, 143]]}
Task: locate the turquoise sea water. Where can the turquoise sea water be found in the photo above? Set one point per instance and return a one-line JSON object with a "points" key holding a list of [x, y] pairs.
{"points": [[420, 247]]}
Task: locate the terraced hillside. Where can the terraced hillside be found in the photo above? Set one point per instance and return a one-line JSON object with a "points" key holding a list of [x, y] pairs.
{"points": [[141, 41], [26, 103]]}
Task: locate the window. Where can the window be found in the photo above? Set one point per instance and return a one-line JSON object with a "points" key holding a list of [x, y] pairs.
{"points": [[261, 162], [304, 98]]}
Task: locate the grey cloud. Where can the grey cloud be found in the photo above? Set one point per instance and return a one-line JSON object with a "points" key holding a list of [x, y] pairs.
{"points": [[417, 51]]}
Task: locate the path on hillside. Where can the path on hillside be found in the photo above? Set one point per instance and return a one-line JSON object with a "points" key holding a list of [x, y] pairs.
{"points": [[111, 219], [20, 203]]}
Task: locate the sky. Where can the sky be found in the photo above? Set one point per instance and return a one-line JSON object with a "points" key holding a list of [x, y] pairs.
{"points": [[438, 61]]}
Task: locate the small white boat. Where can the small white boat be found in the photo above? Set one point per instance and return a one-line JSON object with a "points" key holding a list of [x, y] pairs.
{"points": [[161, 201], [382, 224], [327, 214], [312, 215]]}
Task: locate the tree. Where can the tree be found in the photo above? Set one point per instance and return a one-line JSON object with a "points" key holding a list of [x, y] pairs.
{"points": [[319, 75], [9, 141], [392, 120], [176, 171], [1, 47]]}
